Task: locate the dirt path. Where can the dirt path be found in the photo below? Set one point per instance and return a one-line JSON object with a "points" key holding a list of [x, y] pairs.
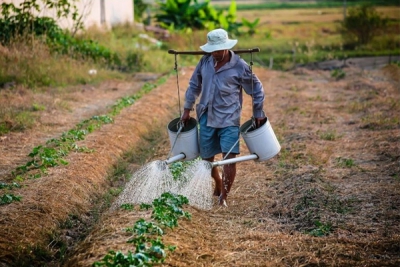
{"points": [[337, 174]]}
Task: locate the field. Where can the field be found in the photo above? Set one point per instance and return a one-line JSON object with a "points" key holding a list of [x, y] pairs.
{"points": [[302, 35], [331, 196]]}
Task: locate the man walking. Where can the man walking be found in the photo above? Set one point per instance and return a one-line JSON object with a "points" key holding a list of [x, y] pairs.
{"points": [[218, 81]]}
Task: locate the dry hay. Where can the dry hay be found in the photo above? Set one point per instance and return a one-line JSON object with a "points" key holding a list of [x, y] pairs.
{"points": [[30, 226], [273, 204], [393, 72]]}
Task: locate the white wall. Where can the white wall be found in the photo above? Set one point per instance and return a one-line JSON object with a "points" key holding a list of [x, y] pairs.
{"points": [[115, 11]]}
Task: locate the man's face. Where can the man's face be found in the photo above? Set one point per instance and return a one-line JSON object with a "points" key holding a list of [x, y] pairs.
{"points": [[218, 55]]}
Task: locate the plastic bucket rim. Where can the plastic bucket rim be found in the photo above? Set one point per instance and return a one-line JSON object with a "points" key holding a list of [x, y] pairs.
{"points": [[172, 125]]}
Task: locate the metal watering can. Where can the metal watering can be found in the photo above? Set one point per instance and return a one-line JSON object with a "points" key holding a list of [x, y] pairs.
{"points": [[261, 142]]}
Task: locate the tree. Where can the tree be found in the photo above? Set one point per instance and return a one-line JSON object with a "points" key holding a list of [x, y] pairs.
{"points": [[362, 24]]}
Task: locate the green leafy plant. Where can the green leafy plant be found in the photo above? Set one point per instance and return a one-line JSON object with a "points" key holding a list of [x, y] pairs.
{"points": [[147, 235], [127, 206], [183, 15], [9, 186], [64, 43], [321, 229], [177, 168], [9, 198], [251, 25], [168, 208]]}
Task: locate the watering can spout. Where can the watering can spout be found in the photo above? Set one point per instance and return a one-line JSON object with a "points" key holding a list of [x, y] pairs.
{"points": [[233, 160], [178, 157]]}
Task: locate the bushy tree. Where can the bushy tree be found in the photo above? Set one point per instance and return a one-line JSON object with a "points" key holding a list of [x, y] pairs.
{"points": [[183, 14], [362, 24]]}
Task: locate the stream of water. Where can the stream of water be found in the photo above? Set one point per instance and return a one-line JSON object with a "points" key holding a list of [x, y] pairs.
{"points": [[155, 178]]}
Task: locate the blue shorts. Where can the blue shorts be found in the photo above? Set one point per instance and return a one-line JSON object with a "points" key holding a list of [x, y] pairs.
{"points": [[217, 140]]}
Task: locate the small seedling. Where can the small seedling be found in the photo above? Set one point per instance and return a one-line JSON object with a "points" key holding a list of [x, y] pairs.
{"points": [[9, 198], [9, 186], [343, 162], [338, 74], [127, 206], [321, 229]]}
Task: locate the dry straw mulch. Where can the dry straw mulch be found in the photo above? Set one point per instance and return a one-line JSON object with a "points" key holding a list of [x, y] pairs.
{"points": [[30, 226]]}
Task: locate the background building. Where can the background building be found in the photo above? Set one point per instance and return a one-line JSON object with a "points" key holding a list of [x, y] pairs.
{"points": [[94, 12]]}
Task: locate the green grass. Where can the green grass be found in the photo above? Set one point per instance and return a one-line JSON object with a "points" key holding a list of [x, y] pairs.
{"points": [[329, 135], [306, 4]]}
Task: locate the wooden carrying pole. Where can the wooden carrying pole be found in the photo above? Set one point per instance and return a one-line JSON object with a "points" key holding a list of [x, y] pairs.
{"points": [[240, 51]]}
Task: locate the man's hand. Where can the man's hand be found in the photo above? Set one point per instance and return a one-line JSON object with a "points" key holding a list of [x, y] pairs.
{"points": [[260, 122], [185, 116]]}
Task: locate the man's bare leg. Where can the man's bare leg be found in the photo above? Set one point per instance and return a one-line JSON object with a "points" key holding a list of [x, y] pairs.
{"points": [[228, 177], [217, 178]]}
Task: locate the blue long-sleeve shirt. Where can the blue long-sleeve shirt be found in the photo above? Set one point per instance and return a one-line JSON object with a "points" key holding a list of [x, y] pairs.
{"points": [[221, 91]]}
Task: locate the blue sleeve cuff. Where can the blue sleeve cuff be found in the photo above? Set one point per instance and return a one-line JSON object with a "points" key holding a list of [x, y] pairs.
{"points": [[259, 114]]}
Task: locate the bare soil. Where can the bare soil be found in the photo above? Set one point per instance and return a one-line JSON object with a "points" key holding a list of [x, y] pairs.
{"points": [[331, 197]]}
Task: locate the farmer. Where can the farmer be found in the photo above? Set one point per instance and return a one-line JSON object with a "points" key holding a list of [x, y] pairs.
{"points": [[218, 79]]}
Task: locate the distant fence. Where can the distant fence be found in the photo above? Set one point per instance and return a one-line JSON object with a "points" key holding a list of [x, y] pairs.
{"points": [[362, 62], [372, 62]]}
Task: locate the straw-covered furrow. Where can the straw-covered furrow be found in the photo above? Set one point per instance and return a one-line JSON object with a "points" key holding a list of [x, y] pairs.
{"points": [[35, 229], [328, 199]]}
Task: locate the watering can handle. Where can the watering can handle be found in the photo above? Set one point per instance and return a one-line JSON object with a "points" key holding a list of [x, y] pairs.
{"points": [[180, 125], [258, 122]]}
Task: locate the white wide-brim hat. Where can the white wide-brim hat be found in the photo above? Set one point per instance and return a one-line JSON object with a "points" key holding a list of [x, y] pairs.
{"points": [[218, 40]]}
